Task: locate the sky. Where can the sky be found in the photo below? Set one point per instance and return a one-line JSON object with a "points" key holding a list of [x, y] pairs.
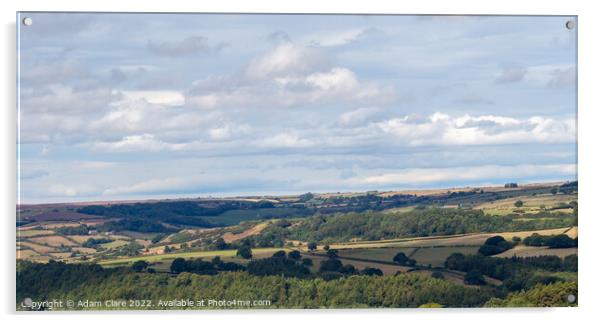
{"points": [[145, 106]]}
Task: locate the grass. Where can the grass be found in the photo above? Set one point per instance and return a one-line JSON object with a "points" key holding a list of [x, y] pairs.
{"points": [[233, 217], [525, 251], [192, 254], [532, 204], [229, 237], [434, 256], [33, 233], [54, 241], [387, 269], [381, 254], [114, 244], [471, 239]]}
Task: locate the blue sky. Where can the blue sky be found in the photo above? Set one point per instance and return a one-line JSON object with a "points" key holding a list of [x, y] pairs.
{"points": [[118, 106]]}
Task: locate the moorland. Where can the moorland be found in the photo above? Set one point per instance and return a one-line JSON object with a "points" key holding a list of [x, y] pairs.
{"points": [[509, 245]]}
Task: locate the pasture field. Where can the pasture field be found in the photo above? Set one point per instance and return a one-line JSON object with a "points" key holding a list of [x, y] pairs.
{"points": [[84, 250], [473, 239], [380, 254], [82, 239], [55, 241], [192, 254], [387, 269], [33, 233], [233, 217], [526, 251], [230, 237], [42, 249], [114, 244], [434, 256], [26, 254], [532, 204]]}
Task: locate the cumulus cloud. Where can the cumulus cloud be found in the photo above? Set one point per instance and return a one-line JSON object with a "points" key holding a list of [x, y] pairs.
{"points": [[443, 129], [287, 76], [59, 98], [344, 37], [302, 108], [287, 59]]}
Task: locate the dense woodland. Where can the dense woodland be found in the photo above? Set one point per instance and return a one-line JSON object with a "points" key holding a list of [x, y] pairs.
{"points": [[83, 281], [417, 223]]}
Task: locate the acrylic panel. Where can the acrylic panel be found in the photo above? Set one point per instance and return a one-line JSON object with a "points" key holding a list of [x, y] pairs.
{"points": [[277, 161]]}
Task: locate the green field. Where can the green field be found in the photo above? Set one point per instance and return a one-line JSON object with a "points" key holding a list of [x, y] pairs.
{"points": [[234, 217], [257, 252], [434, 256], [33, 233], [532, 204]]}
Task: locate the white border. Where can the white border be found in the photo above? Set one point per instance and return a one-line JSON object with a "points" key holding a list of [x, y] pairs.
{"points": [[590, 23]]}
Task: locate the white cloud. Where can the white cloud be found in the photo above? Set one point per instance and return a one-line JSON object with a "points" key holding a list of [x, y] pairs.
{"points": [[358, 116], [169, 98], [417, 176], [129, 117], [285, 60], [145, 142], [59, 98], [72, 190], [92, 164], [284, 140], [155, 185], [287, 76], [443, 129]]}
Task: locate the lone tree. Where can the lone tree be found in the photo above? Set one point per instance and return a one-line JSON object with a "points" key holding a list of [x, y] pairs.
{"points": [[332, 253], [370, 271], [330, 265], [404, 260], [294, 255], [244, 252], [518, 203], [279, 254], [495, 245], [139, 265], [178, 265], [474, 277], [312, 246]]}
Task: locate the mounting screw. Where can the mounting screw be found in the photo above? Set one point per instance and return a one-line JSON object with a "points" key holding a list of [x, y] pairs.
{"points": [[570, 24], [27, 21]]}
